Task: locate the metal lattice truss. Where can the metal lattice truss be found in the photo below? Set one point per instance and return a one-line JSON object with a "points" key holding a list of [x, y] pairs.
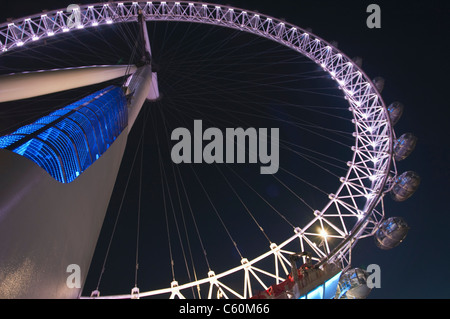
{"points": [[354, 211]]}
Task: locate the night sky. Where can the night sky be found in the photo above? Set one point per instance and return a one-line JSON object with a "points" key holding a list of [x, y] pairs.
{"points": [[410, 52]]}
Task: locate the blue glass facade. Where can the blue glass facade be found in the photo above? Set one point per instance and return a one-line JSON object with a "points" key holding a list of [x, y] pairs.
{"points": [[67, 141], [327, 290]]}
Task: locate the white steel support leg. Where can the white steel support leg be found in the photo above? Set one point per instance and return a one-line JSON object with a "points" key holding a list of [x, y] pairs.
{"points": [[31, 84], [143, 83], [140, 86]]}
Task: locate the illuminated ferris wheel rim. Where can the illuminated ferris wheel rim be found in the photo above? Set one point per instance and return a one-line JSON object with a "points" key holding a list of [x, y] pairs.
{"points": [[372, 153]]}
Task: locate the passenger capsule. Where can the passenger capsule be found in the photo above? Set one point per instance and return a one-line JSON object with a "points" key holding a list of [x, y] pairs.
{"points": [[395, 111], [391, 233], [379, 83], [334, 44], [353, 285], [404, 146], [405, 185], [358, 61]]}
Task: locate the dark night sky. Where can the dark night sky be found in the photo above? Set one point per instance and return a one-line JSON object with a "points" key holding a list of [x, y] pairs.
{"points": [[410, 52]]}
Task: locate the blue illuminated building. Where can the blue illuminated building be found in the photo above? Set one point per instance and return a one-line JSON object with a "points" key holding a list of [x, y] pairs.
{"points": [[67, 141], [326, 290]]}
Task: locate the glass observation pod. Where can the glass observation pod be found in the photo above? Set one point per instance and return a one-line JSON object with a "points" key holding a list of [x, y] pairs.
{"points": [[404, 145], [395, 110], [391, 233], [67, 141], [353, 285], [405, 186], [379, 83]]}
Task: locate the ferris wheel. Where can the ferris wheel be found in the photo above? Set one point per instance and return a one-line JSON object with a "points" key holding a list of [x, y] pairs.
{"points": [[323, 244]]}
